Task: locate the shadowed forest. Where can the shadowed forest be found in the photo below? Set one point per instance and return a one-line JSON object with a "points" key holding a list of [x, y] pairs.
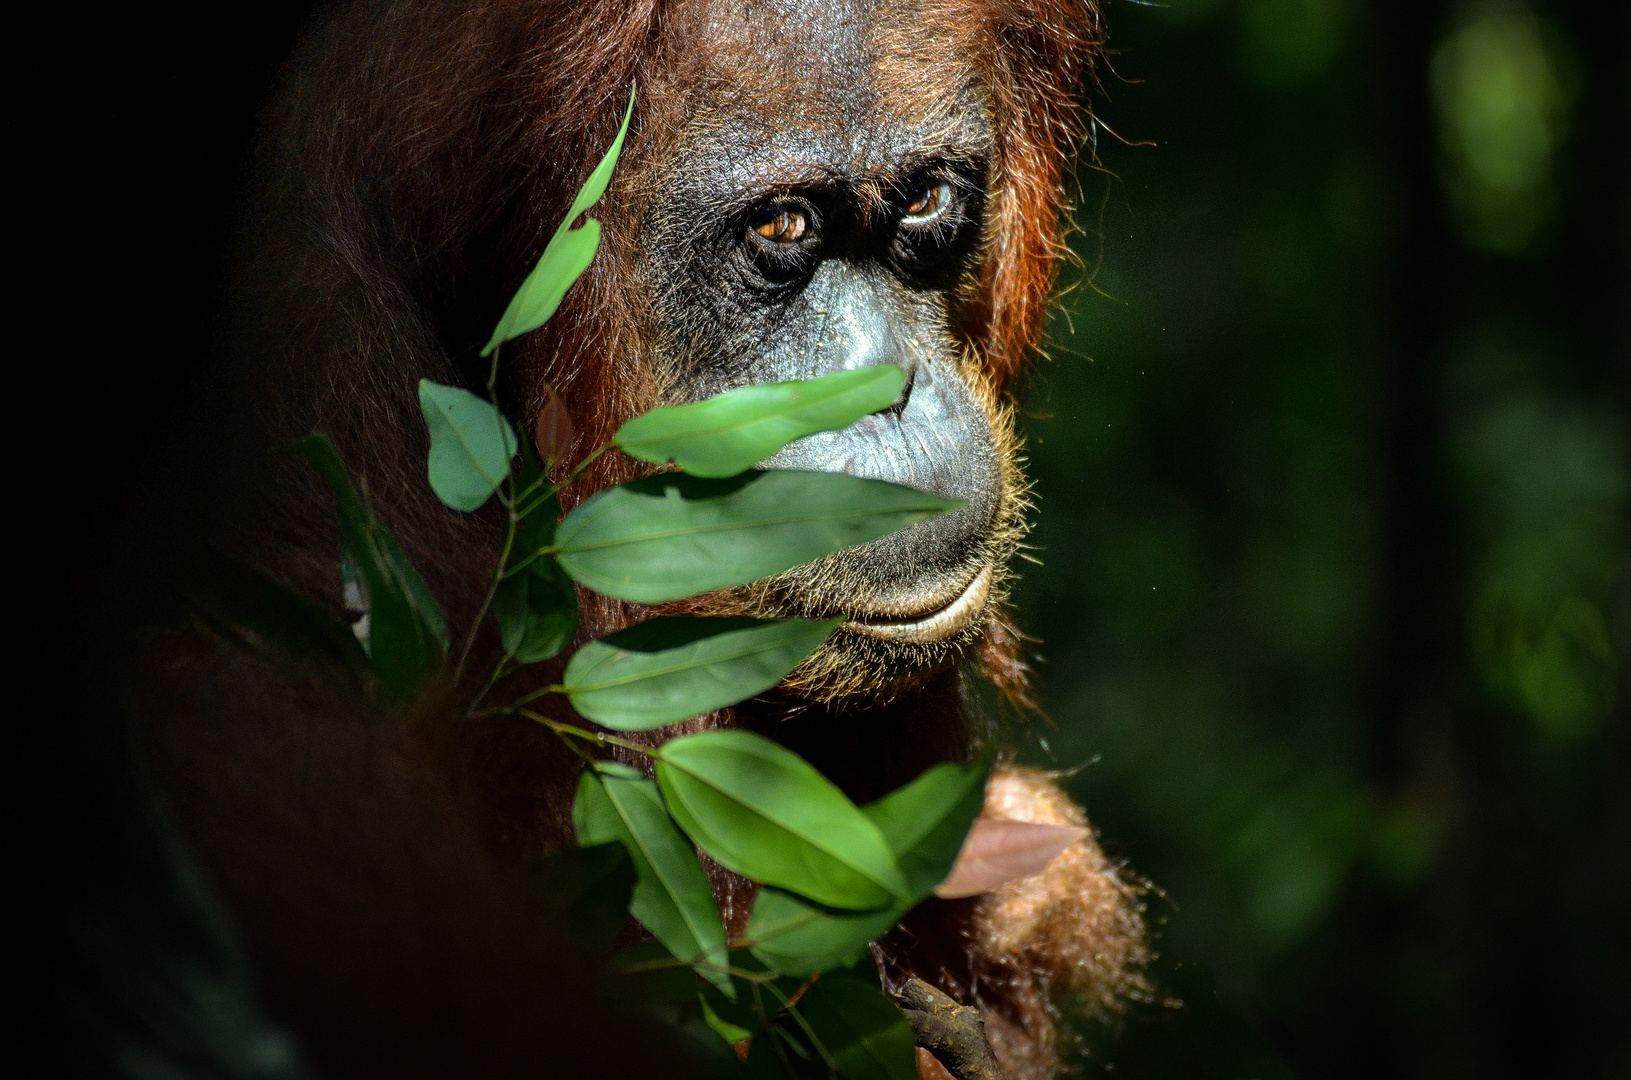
{"points": [[1331, 475], [1332, 584]]}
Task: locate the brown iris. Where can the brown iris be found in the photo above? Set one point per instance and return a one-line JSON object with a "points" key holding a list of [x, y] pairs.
{"points": [[781, 224], [927, 202]]}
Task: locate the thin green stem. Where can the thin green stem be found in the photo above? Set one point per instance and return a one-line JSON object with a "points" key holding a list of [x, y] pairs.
{"points": [[492, 681], [523, 507], [584, 464], [508, 500], [809, 1032], [487, 601], [583, 755], [534, 695], [753, 976], [522, 564], [599, 738], [765, 1019]]}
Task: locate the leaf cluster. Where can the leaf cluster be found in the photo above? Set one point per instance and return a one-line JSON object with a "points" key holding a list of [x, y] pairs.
{"points": [[835, 876]]}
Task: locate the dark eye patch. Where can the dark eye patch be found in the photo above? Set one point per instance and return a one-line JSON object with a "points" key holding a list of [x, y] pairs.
{"points": [[782, 239], [937, 218]]}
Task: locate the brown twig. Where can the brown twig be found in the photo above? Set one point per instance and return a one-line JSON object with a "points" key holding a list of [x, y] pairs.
{"points": [[953, 1033]]}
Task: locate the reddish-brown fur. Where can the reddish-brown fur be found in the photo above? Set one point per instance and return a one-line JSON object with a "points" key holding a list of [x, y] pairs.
{"points": [[410, 173]]}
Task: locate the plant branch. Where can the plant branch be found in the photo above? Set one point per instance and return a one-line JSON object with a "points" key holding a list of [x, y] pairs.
{"points": [[788, 1006], [578, 470], [487, 601], [492, 681], [953, 1033], [533, 695], [600, 738]]}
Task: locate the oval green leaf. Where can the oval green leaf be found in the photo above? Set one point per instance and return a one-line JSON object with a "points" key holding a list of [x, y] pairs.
{"points": [[536, 612], [669, 536], [667, 670], [734, 431], [862, 1031], [566, 256], [761, 810], [536, 604], [587, 891], [797, 937], [924, 824], [471, 445], [672, 895]]}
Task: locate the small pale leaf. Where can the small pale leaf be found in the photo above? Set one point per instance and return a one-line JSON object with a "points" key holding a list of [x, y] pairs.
{"points": [[997, 852], [553, 432], [566, 256]]}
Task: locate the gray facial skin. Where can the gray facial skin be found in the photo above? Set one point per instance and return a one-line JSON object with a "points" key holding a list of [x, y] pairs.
{"points": [[849, 278]]}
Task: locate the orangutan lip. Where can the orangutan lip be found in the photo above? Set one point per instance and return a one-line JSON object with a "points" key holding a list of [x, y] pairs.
{"points": [[934, 625]]}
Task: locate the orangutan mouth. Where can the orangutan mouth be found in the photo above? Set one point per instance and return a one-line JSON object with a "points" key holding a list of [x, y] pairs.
{"points": [[935, 624]]}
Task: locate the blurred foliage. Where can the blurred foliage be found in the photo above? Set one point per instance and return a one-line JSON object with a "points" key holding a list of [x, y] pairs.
{"points": [[1503, 93], [1331, 467]]}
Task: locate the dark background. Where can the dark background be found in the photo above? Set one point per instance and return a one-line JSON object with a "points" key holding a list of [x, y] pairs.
{"points": [[1331, 472], [1331, 469]]}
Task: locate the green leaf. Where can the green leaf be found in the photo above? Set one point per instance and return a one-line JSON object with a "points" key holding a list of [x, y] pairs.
{"points": [[862, 1031], [655, 975], [249, 609], [565, 258], [924, 824], [734, 431], [586, 891], [731, 1033], [761, 810], [797, 937], [536, 605], [536, 614], [539, 512], [669, 536], [672, 895], [406, 636], [666, 670], [471, 445], [784, 1053]]}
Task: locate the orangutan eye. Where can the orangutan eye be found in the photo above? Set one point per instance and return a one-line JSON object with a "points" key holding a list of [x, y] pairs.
{"points": [[780, 224], [927, 201]]}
